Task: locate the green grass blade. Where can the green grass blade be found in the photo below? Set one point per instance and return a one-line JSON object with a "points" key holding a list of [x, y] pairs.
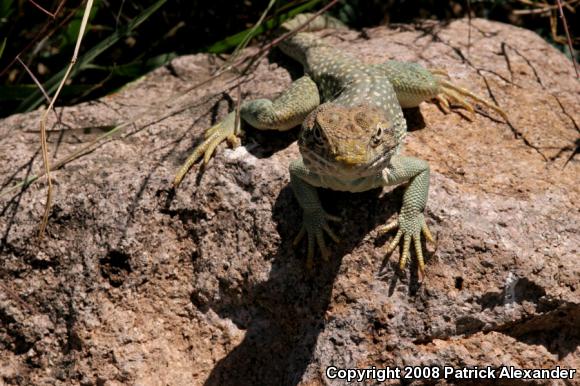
{"points": [[252, 31], [135, 68], [2, 46], [36, 98], [235, 39]]}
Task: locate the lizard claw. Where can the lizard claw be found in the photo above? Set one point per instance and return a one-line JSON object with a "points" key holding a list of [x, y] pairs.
{"points": [[315, 224], [225, 130], [452, 94], [410, 231]]}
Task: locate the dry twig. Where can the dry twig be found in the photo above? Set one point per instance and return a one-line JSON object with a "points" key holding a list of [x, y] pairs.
{"points": [[45, 115]]}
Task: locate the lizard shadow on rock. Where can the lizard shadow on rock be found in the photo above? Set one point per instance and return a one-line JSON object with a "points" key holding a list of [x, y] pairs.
{"points": [[414, 118], [284, 315], [268, 142]]}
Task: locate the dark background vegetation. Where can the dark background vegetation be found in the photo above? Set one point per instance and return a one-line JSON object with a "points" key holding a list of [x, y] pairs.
{"points": [[126, 39]]}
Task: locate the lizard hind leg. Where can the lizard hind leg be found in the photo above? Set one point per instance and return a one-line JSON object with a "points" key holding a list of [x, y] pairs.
{"points": [[440, 72], [456, 95]]}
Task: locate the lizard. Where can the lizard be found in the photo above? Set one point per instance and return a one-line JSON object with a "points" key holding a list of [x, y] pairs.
{"points": [[352, 132]]}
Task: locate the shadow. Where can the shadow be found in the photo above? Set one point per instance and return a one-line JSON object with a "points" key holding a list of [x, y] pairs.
{"points": [[13, 204], [575, 151], [414, 118], [556, 330], [553, 324], [285, 318], [270, 141], [428, 30], [167, 194], [284, 315], [522, 290], [25, 166], [294, 68]]}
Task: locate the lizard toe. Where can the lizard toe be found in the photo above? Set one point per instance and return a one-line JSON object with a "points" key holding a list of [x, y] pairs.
{"points": [[410, 232], [406, 248], [322, 246], [314, 226], [223, 131], [419, 254]]}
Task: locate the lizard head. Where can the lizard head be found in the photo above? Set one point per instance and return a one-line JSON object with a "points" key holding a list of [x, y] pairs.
{"points": [[349, 141]]}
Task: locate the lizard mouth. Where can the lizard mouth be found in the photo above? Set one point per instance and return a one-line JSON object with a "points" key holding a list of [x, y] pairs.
{"points": [[357, 166], [352, 161]]}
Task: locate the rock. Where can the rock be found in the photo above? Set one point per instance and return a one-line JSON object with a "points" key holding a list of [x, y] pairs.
{"points": [[134, 285]]}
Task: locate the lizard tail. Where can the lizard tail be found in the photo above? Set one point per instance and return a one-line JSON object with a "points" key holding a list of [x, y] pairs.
{"points": [[321, 22], [297, 45]]}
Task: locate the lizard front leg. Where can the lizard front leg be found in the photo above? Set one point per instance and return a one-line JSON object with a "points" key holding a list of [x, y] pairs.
{"points": [[283, 113], [414, 84], [411, 221], [315, 219]]}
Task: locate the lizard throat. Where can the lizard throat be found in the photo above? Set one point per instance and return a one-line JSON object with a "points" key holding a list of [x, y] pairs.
{"points": [[344, 166]]}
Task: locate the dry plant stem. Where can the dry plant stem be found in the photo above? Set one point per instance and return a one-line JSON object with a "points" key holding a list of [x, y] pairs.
{"points": [[568, 37], [263, 49], [41, 34], [249, 36], [542, 7], [252, 59], [42, 9], [227, 67], [34, 79], [45, 114], [64, 161], [91, 146], [469, 25], [38, 84], [18, 299], [285, 36], [260, 54], [238, 104]]}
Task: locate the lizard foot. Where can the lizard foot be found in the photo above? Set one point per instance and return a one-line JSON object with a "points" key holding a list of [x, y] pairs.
{"points": [[410, 230], [226, 130], [452, 94], [315, 224]]}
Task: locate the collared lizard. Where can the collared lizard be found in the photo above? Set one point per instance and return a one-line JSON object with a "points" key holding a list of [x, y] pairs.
{"points": [[352, 133]]}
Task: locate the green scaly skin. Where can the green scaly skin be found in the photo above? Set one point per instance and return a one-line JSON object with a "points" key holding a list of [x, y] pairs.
{"points": [[352, 133]]}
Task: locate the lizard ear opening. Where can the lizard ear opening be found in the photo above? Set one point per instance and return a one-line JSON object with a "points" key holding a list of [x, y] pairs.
{"points": [[317, 134], [377, 137], [385, 134]]}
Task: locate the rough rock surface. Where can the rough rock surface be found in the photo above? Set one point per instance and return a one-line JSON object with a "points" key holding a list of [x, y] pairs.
{"points": [[134, 285]]}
